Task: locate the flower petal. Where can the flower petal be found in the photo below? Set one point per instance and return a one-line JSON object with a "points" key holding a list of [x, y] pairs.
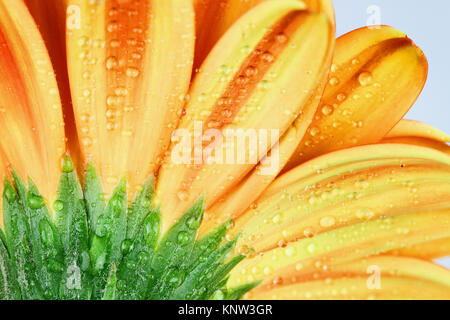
{"points": [[376, 76], [420, 134], [412, 128], [31, 121], [130, 64], [428, 250], [214, 18], [354, 202], [251, 89], [347, 187], [50, 17], [380, 278]]}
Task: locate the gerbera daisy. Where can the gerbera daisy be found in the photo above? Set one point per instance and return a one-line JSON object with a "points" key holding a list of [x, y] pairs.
{"points": [[94, 95]]}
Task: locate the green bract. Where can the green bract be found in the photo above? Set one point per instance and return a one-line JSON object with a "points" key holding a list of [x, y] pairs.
{"points": [[93, 249]]}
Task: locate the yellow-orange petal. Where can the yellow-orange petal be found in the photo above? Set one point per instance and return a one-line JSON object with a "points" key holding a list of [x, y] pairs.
{"points": [[348, 204], [50, 17], [241, 197], [130, 64], [31, 121], [213, 18], [418, 133], [376, 76], [378, 278], [412, 128], [345, 188], [341, 245], [428, 250], [250, 82]]}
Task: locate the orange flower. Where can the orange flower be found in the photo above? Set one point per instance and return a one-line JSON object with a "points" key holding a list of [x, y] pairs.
{"points": [[357, 188]]}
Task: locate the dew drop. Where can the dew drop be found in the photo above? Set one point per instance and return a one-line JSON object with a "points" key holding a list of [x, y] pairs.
{"points": [[35, 201], [365, 78], [327, 222], [327, 110], [132, 72], [111, 62], [58, 205]]}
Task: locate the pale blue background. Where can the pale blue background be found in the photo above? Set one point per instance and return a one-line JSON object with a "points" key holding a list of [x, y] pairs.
{"points": [[427, 23]]}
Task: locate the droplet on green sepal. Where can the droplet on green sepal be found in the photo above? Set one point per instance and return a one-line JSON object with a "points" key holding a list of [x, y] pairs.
{"points": [[175, 276], [143, 258], [103, 224], [183, 237], [193, 223], [58, 205], [46, 232], [218, 295], [35, 201], [126, 246], [131, 264]]}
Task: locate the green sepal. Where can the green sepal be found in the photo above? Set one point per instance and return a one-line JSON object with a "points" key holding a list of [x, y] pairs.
{"points": [[140, 208], [43, 236], [93, 196], [238, 292], [71, 221], [18, 243], [206, 245], [3, 237], [110, 231], [9, 287], [204, 279], [135, 273], [111, 285], [173, 250]]}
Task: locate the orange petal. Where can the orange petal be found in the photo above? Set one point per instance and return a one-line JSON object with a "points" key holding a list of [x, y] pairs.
{"points": [[213, 18], [377, 278], [246, 84], [376, 76], [50, 17], [31, 121], [237, 200], [130, 65], [353, 203]]}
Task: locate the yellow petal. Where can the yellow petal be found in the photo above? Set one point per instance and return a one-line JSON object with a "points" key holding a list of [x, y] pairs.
{"points": [[420, 134], [417, 141], [130, 65], [213, 18], [344, 244], [347, 187], [246, 84], [377, 278], [349, 204], [31, 121], [412, 128], [376, 76], [428, 250]]}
